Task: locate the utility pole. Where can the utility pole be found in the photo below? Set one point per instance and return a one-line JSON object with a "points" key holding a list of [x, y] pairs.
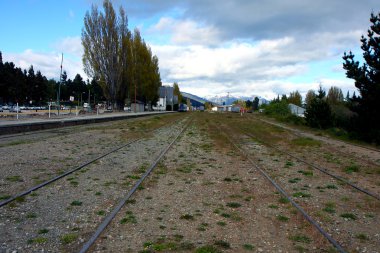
{"points": [[59, 88]]}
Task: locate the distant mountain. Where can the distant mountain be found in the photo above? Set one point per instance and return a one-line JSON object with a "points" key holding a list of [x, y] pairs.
{"points": [[229, 100]]}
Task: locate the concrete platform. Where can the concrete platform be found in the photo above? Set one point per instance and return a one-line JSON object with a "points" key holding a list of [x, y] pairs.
{"points": [[33, 124]]}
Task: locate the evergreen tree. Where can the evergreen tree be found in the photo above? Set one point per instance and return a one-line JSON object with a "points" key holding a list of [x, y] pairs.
{"points": [[318, 113], [367, 81]]}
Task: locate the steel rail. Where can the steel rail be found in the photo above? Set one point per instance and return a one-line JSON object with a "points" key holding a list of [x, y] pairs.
{"points": [[323, 170], [122, 202], [282, 191]]}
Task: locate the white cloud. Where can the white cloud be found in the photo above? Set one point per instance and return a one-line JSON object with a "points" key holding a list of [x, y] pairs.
{"points": [[70, 45], [186, 32], [48, 63]]}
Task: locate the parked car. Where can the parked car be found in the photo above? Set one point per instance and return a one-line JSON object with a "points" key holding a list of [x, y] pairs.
{"points": [[14, 109], [1, 108], [5, 107]]}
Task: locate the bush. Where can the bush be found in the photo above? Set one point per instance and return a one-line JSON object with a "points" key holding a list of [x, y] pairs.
{"points": [[318, 114]]}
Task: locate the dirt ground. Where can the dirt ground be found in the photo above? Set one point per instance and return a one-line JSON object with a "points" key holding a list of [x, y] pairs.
{"points": [[204, 196]]}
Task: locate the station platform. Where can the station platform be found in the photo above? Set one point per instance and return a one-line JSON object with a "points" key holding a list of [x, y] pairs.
{"points": [[12, 126]]}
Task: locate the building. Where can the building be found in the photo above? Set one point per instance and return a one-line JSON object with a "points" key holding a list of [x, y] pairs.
{"points": [[297, 110], [167, 99]]}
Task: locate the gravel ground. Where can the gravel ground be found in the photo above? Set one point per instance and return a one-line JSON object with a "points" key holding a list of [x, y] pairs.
{"points": [[204, 196]]}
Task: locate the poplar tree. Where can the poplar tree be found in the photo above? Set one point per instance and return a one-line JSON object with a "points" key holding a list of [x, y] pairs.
{"points": [[105, 51]]}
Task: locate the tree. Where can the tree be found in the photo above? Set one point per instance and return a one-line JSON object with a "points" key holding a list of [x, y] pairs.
{"points": [[310, 95], [367, 81], [335, 96], [177, 92], [295, 98], [105, 52], [318, 112], [249, 104], [255, 104]]}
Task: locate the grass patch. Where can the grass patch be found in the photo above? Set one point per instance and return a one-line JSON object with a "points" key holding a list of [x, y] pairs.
{"points": [[282, 218], [202, 227], [301, 195], [306, 141], [101, 212], [31, 215], [43, 231], [283, 200], [129, 218], [294, 180], [233, 204], [329, 207], [223, 244], [307, 173], [351, 168], [300, 238], [69, 238], [331, 186], [38, 240], [14, 179], [273, 206], [221, 223], [207, 249], [288, 164], [349, 216], [186, 168], [248, 247], [76, 203], [362, 237], [4, 197], [187, 217]]}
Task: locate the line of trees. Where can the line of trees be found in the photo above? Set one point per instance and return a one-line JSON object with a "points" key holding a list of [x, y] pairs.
{"points": [[32, 87], [120, 61], [22, 86]]}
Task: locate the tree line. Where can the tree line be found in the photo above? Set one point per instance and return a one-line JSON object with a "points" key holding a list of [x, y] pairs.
{"points": [[29, 86], [356, 116]]}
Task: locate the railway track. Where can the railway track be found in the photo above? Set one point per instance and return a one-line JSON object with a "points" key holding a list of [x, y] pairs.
{"points": [[331, 192], [325, 139], [321, 169], [338, 247], [122, 202], [56, 183], [32, 159]]}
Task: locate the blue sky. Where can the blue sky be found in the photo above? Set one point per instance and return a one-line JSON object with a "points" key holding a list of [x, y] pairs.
{"points": [[244, 47]]}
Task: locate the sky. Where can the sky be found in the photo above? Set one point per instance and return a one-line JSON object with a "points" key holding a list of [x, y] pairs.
{"points": [[210, 48]]}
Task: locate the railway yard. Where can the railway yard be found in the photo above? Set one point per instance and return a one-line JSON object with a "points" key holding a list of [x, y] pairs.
{"points": [[187, 182]]}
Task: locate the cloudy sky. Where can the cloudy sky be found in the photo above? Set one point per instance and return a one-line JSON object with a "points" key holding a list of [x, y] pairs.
{"points": [[244, 47]]}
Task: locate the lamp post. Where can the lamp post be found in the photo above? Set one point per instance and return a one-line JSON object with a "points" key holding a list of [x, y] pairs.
{"points": [[59, 87]]}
